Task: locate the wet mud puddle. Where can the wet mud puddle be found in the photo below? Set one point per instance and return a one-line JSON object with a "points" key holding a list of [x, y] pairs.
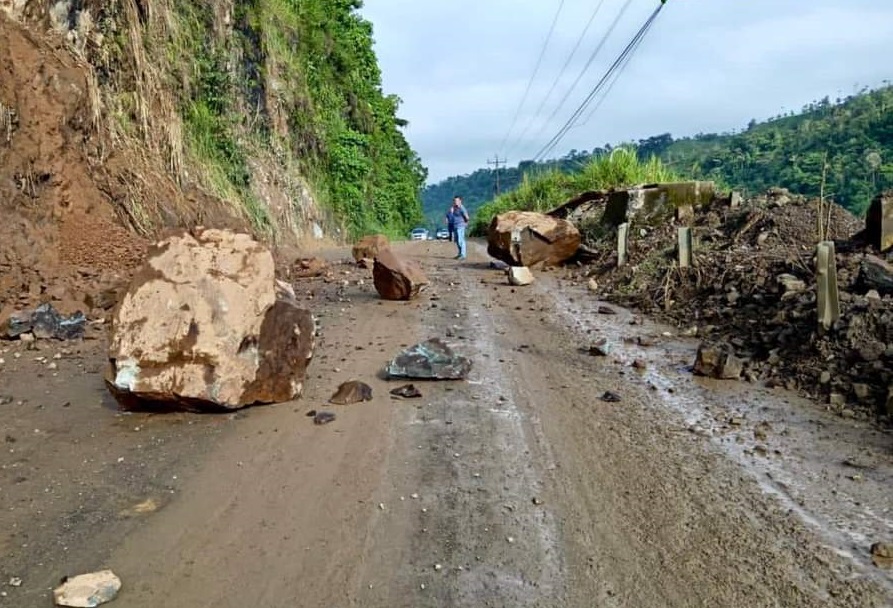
{"points": [[834, 473]]}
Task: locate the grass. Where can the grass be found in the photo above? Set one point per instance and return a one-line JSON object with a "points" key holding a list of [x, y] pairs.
{"points": [[545, 191]]}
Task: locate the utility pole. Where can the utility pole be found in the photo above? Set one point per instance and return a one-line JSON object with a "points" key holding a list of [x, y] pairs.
{"points": [[497, 162]]}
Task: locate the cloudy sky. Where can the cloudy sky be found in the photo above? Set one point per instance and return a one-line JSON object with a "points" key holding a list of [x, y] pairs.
{"points": [[462, 67]]}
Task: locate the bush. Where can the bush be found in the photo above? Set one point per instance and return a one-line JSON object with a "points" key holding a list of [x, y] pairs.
{"points": [[619, 169]]}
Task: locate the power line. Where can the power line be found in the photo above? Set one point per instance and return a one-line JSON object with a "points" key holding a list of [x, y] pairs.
{"points": [[533, 76], [630, 48], [605, 93], [558, 77], [585, 69]]}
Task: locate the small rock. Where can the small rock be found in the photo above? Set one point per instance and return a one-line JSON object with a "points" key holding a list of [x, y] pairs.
{"points": [[837, 399], [862, 391], [882, 555], [601, 348], [407, 391], [825, 377], [606, 310], [352, 391], [323, 417], [718, 362], [15, 581], [88, 590], [593, 285], [610, 397], [520, 276]]}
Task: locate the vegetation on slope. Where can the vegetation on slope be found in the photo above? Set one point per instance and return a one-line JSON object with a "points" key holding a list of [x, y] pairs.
{"points": [[849, 140], [275, 106], [553, 187], [850, 143]]}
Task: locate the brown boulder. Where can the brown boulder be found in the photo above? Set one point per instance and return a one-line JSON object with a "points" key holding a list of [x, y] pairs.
{"points": [[204, 325], [396, 278], [307, 268], [525, 238], [370, 246]]}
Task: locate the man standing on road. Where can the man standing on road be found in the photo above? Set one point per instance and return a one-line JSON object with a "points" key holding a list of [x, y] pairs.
{"points": [[457, 219]]}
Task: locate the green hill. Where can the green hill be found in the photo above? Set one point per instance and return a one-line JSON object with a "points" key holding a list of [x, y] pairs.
{"points": [[849, 141]]}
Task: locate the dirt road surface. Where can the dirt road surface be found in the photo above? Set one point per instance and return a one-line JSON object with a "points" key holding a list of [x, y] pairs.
{"points": [[521, 487]]}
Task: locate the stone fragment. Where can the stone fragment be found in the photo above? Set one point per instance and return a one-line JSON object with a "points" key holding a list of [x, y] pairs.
{"points": [[370, 246], [718, 361], [205, 325], [323, 417], [352, 391], [611, 397], [407, 391], [88, 590], [45, 322], [396, 278], [520, 276], [601, 348], [306, 268], [430, 360], [790, 284], [526, 238]]}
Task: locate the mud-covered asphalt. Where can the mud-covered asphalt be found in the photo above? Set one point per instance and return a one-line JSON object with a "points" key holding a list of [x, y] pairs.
{"points": [[520, 487]]}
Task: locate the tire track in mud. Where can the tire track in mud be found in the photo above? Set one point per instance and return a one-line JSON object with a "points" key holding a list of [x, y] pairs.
{"points": [[477, 535]]}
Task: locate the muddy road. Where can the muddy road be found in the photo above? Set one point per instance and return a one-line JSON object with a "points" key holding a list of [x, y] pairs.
{"points": [[520, 487]]}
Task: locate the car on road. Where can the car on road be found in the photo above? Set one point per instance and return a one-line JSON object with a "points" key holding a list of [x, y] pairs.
{"points": [[442, 234], [419, 234]]}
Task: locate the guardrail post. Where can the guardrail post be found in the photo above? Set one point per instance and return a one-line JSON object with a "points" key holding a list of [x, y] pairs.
{"points": [[684, 247], [826, 280], [622, 242]]}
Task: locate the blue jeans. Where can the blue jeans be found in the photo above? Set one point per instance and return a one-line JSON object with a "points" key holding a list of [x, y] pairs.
{"points": [[460, 240]]}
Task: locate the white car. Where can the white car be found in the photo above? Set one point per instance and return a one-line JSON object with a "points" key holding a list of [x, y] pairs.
{"points": [[419, 234]]}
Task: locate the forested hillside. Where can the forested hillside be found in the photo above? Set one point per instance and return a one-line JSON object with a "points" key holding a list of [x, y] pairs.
{"points": [[269, 111], [849, 141]]}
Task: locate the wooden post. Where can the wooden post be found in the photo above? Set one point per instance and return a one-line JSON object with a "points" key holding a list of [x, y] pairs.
{"points": [[826, 279], [622, 242], [684, 247]]}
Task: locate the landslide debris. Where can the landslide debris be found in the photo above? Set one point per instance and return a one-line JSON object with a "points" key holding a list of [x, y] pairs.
{"points": [[752, 285]]}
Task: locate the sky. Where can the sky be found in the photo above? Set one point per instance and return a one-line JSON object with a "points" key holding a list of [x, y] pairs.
{"points": [[462, 67]]}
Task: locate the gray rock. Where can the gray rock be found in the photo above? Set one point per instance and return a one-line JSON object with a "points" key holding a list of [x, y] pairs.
{"points": [[601, 348], [430, 360]]}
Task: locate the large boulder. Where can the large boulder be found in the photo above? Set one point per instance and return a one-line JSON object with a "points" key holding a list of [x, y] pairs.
{"points": [[396, 278], [526, 238], [205, 325], [368, 247]]}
